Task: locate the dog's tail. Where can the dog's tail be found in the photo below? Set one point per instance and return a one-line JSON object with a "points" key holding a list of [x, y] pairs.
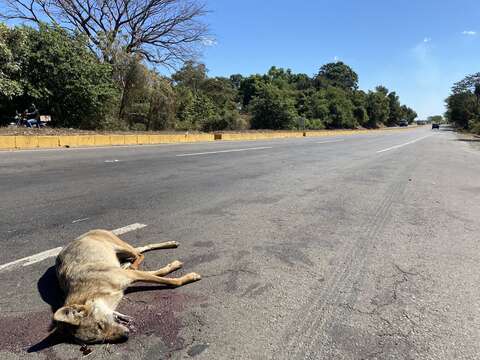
{"points": [[164, 245]]}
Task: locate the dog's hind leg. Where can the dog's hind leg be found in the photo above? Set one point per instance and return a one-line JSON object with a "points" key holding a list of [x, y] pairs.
{"points": [[175, 265], [164, 245], [144, 276]]}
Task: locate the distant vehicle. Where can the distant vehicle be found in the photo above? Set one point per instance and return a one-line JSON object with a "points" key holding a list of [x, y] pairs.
{"points": [[435, 126], [403, 123]]}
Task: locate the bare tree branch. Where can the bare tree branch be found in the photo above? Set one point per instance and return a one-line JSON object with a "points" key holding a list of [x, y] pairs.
{"points": [[162, 31]]}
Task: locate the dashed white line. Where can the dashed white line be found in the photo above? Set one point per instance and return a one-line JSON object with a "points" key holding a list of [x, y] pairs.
{"points": [[126, 229], [79, 220], [329, 141], [402, 145], [33, 259], [226, 151]]}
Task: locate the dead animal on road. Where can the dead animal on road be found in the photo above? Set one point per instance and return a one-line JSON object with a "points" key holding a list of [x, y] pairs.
{"points": [[93, 271]]}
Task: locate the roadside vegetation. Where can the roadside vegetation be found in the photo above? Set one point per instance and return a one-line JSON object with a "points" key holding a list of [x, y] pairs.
{"points": [[463, 105], [90, 73]]}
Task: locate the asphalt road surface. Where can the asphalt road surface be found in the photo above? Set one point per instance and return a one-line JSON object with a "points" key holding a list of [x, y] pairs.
{"points": [[353, 247]]}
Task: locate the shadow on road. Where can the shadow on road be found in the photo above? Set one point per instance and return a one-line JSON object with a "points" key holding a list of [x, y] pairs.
{"points": [[50, 292]]}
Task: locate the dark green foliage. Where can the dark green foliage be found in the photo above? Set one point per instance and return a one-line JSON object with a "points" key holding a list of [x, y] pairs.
{"points": [[408, 114], [340, 109], [377, 106], [462, 110], [57, 71], [463, 105], [271, 109], [435, 119], [395, 113], [337, 74], [66, 78], [61, 76]]}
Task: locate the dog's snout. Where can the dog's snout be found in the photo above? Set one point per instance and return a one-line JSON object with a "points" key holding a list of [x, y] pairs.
{"points": [[124, 336]]}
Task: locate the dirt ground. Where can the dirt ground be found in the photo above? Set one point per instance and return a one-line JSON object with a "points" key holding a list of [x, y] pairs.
{"points": [[12, 130]]}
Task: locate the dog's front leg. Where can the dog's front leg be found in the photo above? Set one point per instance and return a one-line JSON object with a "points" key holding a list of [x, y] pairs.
{"points": [[122, 317]]}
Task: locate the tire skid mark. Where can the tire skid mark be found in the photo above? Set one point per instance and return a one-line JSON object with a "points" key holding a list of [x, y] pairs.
{"points": [[308, 325]]}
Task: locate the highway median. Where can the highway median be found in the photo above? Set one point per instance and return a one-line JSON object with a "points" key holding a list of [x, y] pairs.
{"points": [[20, 142]]}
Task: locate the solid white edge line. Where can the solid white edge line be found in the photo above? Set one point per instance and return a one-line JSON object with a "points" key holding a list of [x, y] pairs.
{"points": [[225, 151], [402, 145], [33, 259]]}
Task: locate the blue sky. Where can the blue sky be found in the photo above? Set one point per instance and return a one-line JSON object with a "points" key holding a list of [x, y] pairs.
{"points": [[415, 47]]}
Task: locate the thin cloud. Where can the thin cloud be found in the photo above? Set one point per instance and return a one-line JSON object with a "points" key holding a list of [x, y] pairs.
{"points": [[469, 33], [427, 40], [209, 41]]}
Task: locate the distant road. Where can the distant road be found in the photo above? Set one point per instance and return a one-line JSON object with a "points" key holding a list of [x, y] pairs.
{"points": [[349, 247]]}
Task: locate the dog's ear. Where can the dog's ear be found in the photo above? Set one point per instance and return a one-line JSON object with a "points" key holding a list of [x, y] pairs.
{"points": [[70, 314]]}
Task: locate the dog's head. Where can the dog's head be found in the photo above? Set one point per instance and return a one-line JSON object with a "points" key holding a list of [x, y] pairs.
{"points": [[89, 324]]}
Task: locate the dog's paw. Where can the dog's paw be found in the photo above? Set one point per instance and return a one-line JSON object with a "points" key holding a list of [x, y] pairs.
{"points": [[176, 264], [194, 276]]}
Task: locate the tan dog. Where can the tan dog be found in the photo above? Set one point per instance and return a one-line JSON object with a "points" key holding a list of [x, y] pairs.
{"points": [[93, 271]]}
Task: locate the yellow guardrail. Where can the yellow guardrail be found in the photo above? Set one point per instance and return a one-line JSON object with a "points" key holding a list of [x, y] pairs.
{"points": [[13, 142]]}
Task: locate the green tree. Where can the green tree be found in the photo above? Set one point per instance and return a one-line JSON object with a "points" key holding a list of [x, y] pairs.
{"points": [[317, 106], [337, 74], [377, 108], [408, 114], [250, 87], [64, 79], [13, 56], [395, 113], [161, 112], [271, 109], [463, 105], [359, 101], [191, 75], [340, 109], [462, 110], [436, 119]]}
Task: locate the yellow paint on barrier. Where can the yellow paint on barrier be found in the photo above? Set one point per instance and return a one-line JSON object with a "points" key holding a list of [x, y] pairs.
{"points": [[130, 140], [143, 139], [200, 137], [117, 139], [102, 140], [26, 142], [68, 141], [7, 142], [86, 140], [33, 141], [48, 141]]}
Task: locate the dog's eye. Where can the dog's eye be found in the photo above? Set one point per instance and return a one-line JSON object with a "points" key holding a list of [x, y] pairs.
{"points": [[100, 326]]}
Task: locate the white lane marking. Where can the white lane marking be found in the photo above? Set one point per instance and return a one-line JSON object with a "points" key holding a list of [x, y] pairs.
{"points": [[402, 145], [33, 259], [126, 229], [111, 161], [42, 256], [329, 141], [226, 151], [79, 220]]}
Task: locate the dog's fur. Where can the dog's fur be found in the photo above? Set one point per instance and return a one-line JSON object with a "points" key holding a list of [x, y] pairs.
{"points": [[93, 271]]}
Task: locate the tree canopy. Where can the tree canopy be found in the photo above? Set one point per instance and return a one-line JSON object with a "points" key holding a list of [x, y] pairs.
{"points": [[463, 105], [337, 74], [56, 69]]}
